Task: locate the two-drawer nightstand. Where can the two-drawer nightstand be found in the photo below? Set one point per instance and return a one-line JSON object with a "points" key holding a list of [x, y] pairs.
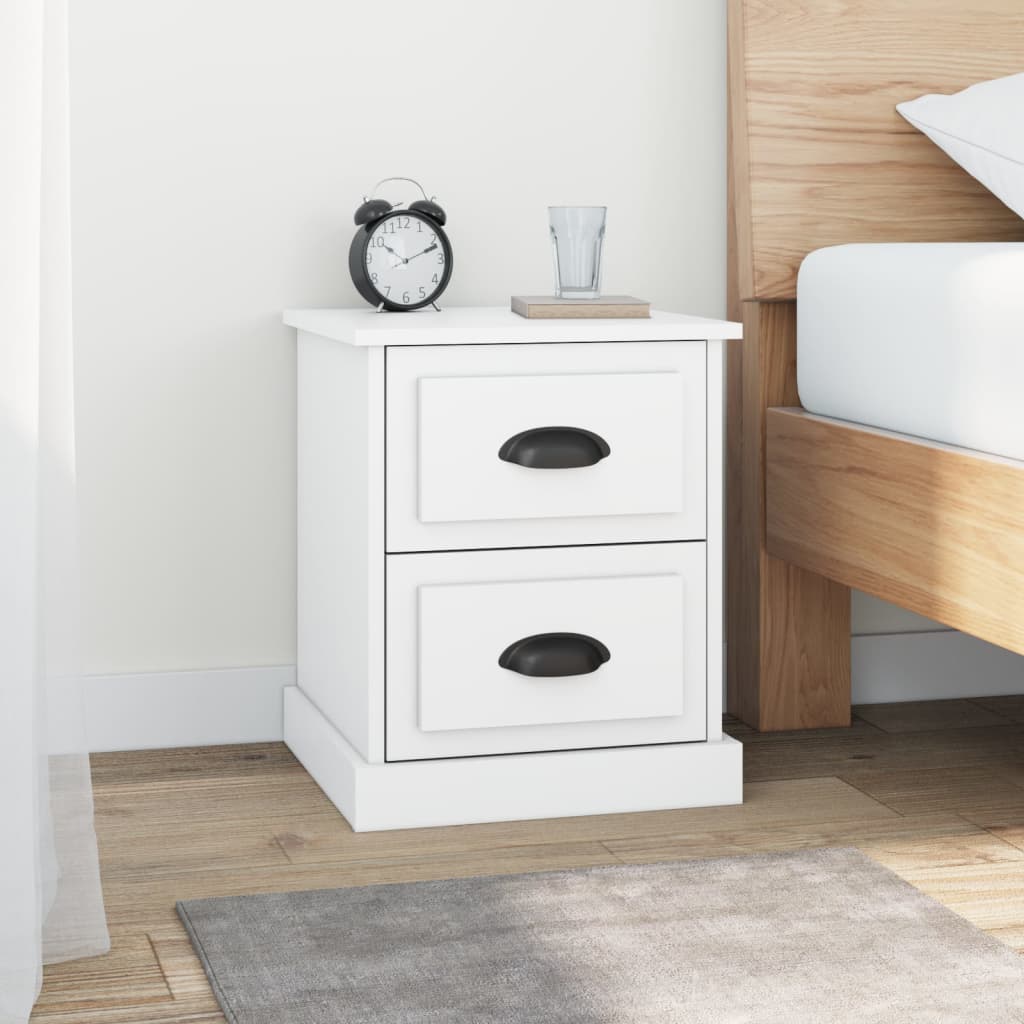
{"points": [[509, 565]]}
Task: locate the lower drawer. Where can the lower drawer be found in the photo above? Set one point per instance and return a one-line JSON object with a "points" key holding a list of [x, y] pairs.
{"points": [[493, 652]]}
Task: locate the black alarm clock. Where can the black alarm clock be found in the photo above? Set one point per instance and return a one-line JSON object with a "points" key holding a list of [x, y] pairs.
{"points": [[400, 258]]}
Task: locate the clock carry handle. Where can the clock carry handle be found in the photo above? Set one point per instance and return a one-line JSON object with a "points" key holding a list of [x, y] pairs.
{"points": [[384, 181]]}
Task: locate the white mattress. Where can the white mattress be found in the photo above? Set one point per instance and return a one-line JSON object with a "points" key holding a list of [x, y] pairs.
{"points": [[923, 339]]}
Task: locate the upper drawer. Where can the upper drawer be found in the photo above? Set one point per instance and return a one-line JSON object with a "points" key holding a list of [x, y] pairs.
{"points": [[523, 445], [581, 444]]}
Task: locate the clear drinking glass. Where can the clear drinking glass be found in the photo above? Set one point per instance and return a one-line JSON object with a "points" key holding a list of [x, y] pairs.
{"points": [[577, 234]]}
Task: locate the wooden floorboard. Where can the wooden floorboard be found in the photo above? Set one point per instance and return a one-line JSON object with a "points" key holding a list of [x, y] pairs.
{"points": [[933, 791]]}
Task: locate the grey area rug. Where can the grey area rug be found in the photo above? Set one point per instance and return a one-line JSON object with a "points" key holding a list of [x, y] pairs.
{"points": [[817, 937]]}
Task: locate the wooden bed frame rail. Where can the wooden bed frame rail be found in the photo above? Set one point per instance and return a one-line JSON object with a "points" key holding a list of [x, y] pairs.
{"points": [[936, 529], [819, 156]]}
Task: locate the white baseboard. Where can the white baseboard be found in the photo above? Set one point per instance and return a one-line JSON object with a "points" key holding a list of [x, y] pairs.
{"points": [[185, 709], [243, 705], [894, 668], [898, 667]]}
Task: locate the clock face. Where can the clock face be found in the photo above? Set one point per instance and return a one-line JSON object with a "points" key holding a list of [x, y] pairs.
{"points": [[407, 259]]}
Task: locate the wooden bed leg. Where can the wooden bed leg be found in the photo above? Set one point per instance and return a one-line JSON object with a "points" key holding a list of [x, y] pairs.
{"points": [[788, 630]]}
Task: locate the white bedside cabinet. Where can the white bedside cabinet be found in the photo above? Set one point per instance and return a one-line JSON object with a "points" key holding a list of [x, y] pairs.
{"points": [[509, 565]]}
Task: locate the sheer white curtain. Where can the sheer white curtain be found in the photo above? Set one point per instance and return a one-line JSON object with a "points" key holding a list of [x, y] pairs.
{"points": [[51, 905]]}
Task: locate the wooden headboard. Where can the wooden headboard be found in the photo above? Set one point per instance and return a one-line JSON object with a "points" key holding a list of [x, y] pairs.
{"points": [[820, 155]]}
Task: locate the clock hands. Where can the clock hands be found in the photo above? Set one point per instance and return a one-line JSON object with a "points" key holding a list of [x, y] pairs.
{"points": [[402, 259], [429, 248], [399, 260]]}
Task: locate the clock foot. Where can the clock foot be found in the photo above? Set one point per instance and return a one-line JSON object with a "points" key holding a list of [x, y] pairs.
{"points": [[436, 306]]}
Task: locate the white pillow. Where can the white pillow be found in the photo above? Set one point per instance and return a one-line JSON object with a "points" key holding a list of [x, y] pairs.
{"points": [[982, 129]]}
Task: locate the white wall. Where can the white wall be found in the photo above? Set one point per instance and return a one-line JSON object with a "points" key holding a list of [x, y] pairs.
{"points": [[219, 149], [871, 616]]}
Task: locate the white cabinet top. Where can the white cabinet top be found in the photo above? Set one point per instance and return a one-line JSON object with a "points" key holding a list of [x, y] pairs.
{"points": [[497, 325]]}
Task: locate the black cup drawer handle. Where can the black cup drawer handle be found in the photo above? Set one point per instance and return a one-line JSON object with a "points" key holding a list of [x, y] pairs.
{"points": [[555, 448], [554, 654]]}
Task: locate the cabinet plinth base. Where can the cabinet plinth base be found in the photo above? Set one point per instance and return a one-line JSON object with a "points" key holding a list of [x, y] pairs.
{"points": [[457, 791]]}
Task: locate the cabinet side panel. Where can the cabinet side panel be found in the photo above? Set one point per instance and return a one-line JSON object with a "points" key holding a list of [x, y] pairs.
{"points": [[715, 529], [340, 554]]}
